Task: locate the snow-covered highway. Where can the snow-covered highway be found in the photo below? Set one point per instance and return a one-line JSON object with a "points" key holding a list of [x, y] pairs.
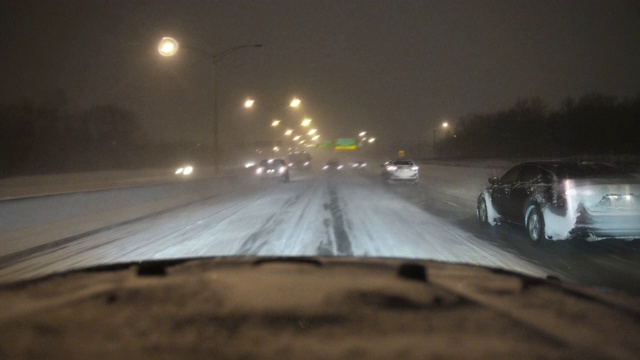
{"points": [[317, 214]]}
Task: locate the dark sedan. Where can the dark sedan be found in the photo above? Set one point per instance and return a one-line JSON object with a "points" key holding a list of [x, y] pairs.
{"points": [[559, 200]]}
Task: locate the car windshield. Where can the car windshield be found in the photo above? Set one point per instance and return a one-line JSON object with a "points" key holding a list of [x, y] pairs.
{"points": [[133, 131]]}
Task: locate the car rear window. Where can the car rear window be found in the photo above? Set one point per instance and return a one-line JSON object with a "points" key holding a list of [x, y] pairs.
{"points": [[402, 162]]}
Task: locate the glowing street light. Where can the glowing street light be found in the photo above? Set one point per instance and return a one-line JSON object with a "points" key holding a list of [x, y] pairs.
{"points": [[288, 132], [362, 133], [371, 140], [168, 46], [445, 124], [306, 122], [295, 102], [312, 131], [275, 123], [315, 138], [248, 103], [296, 138]]}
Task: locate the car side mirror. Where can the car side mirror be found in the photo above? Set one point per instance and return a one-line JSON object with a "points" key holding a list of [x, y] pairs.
{"points": [[493, 180]]}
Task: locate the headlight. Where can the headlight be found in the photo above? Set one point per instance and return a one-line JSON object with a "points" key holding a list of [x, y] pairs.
{"points": [[249, 164], [187, 170], [392, 168], [339, 167], [282, 169], [307, 163], [414, 168], [325, 167], [259, 170]]}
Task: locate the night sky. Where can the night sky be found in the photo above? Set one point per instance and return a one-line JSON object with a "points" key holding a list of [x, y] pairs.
{"points": [[394, 68]]}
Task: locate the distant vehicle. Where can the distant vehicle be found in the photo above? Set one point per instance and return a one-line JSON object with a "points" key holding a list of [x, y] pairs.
{"points": [[333, 164], [184, 170], [299, 160], [359, 165], [273, 168], [558, 200], [400, 171]]}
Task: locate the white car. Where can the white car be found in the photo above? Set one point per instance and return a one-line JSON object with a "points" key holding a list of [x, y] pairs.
{"points": [[400, 171]]}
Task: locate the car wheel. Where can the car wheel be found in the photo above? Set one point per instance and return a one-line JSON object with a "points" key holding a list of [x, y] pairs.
{"points": [[535, 227], [483, 215]]}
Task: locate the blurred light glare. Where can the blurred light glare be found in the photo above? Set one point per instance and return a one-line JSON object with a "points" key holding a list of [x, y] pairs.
{"points": [[188, 170], [362, 133], [288, 132], [306, 122], [372, 140], [316, 137], [168, 46], [275, 123], [296, 138], [295, 102], [248, 103], [313, 131], [445, 124]]}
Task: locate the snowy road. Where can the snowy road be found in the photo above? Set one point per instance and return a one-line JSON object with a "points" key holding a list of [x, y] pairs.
{"points": [[339, 214]]}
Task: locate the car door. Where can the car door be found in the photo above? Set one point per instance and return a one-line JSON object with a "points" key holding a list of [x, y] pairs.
{"points": [[501, 191], [521, 190]]}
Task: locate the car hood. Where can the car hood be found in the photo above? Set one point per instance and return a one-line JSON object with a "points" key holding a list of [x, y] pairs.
{"points": [[311, 308]]}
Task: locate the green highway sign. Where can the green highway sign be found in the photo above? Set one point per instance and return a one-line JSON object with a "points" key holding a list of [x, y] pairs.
{"points": [[346, 144]]}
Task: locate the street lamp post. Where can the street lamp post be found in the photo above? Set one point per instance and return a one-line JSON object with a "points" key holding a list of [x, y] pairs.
{"points": [[444, 126], [169, 47]]}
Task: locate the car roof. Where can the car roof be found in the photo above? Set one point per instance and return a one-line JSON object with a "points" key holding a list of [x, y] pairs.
{"points": [[580, 169]]}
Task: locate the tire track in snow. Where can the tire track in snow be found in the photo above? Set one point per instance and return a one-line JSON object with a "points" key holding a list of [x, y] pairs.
{"points": [[340, 234]]}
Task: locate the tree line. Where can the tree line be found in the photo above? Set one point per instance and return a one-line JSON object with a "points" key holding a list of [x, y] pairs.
{"points": [[594, 124], [45, 137]]}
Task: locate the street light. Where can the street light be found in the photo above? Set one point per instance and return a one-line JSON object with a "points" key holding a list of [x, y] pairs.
{"points": [[444, 126], [275, 123], [362, 133], [312, 131], [288, 132], [306, 122], [248, 103], [296, 138], [295, 102], [371, 140], [169, 46]]}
